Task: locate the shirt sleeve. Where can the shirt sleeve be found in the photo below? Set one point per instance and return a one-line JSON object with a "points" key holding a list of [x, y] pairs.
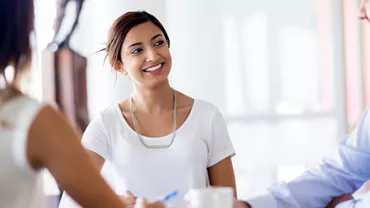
{"points": [[344, 173], [96, 139], [220, 146], [28, 110]]}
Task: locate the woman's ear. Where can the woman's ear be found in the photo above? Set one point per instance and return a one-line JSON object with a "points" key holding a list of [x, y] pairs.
{"points": [[124, 72], [119, 68]]}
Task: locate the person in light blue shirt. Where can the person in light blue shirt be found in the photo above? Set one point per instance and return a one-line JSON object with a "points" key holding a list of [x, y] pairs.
{"points": [[341, 175], [333, 181]]}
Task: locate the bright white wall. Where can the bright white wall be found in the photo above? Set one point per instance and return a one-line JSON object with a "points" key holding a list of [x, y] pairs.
{"points": [[205, 45]]}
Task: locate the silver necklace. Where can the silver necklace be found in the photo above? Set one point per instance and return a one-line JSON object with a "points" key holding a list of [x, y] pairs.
{"points": [[132, 110]]}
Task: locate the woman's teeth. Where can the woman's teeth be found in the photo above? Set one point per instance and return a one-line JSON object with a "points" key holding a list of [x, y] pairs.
{"points": [[151, 69]]}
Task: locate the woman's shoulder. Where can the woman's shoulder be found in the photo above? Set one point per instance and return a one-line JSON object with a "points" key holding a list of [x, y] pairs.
{"points": [[200, 106], [22, 100], [114, 111], [21, 106]]}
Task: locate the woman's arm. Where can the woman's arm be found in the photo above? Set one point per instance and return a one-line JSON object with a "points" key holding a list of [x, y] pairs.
{"points": [[221, 150], [97, 160], [222, 174], [66, 201], [55, 145]]}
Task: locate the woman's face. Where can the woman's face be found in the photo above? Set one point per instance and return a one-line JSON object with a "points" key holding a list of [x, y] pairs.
{"points": [[145, 55]]}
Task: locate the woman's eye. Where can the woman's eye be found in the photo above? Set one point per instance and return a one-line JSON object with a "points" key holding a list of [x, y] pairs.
{"points": [[136, 51], [159, 43]]}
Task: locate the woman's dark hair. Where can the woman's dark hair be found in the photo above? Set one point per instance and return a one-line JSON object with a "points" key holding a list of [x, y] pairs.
{"points": [[16, 25], [119, 30]]}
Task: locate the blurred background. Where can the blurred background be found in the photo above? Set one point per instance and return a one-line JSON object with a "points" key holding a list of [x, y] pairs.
{"points": [[290, 76]]}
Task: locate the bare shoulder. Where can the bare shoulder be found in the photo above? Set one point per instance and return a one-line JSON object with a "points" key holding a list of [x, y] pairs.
{"points": [[48, 120], [47, 116]]}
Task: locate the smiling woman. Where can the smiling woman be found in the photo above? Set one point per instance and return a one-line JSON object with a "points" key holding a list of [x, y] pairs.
{"points": [[158, 140], [118, 49]]}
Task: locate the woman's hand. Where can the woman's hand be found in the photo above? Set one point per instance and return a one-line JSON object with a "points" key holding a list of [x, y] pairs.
{"points": [[363, 12], [338, 200], [129, 199], [142, 203], [240, 204]]}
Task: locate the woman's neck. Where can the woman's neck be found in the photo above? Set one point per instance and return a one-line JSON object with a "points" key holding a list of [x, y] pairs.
{"points": [[153, 100]]}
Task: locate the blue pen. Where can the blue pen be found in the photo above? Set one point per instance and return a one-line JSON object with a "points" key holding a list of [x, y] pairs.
{"points": [[169, 197]]}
